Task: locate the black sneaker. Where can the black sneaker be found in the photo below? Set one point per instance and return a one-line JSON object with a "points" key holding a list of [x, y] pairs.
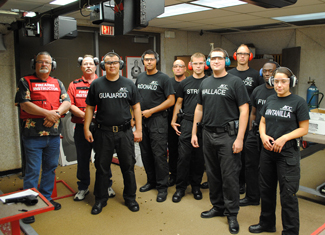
{"points": [[28, 220], [57, 206]]}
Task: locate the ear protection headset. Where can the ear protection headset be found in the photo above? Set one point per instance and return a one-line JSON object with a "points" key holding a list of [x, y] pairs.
{"points": [[190, 67], [272, 62], [96, 60], [102, 63], [150, 52], [250, 53], [33, 62], [250, 56], [227, 60], [293, 78]]}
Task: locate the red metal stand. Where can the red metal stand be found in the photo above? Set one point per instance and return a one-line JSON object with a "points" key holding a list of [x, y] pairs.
{"points": [[54, 195], [11, 213], [319, 230], [115, 160]]}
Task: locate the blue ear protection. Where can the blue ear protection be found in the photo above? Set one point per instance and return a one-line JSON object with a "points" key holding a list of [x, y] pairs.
{"points": [[102, 63], [261, 72], [227, 60], [208, 61]]}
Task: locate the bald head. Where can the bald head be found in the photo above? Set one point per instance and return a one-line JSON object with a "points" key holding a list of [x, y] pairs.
{"points": [[179, 68]]}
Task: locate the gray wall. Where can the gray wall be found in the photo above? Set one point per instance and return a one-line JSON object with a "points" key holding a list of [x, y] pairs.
{"points": [[310, 39], [9, 137]]}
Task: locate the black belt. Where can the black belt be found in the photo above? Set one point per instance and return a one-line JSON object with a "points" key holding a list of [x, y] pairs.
{"points": [[217, 130], [114, 129], [291, 143], [188, 117]]}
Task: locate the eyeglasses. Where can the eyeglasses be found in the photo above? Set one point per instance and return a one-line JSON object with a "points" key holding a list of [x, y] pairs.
{"points": [[283, 81], [197, 63], [88, 64], [217, 58], [149, 59], [242, 54], [112, 62], [41, 62], [178, 65]]}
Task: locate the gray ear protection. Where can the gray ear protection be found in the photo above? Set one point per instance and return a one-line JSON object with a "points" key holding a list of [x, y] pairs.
{"points": [[80, 59], [102, 63], [293, 78], [33, 63], [150, 52]]}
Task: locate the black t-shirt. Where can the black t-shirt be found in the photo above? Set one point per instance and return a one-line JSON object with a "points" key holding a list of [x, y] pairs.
{"points": [[175, 85], [188, 90], [283, 114], [221, 98], [154, 89], [258, 99], [113, 100], [250, 78]]}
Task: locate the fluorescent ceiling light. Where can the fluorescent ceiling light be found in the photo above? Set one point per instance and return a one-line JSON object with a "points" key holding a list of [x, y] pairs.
{"points": [[303, 17], [181, 9], [8, 12], [62, 2], [218, 3]]}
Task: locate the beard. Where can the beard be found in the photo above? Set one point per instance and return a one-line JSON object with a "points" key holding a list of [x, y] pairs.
{"points": [[179, 75], [44, 70]]}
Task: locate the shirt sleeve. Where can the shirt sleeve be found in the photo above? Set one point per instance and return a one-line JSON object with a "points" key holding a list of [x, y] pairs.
{"points": [[135, 95], [241, 93], [199, 95], [72, 93], [252, 98], [64, 95], [168, 87], [179, 92], [262, 111], [302, 111], [90, 100], [23, 92]]}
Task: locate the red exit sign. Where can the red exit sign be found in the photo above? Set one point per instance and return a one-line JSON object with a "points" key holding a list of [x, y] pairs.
{"points": [[107, 30]]}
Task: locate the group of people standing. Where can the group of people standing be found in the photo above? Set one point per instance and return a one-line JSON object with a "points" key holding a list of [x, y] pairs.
{"points": [[230, 122]]}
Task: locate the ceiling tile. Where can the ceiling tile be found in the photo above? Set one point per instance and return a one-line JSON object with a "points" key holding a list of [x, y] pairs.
{"points": [[250, 22], [291, 11]]}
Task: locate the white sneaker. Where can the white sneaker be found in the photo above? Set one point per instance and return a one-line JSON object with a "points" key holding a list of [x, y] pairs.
{"points": [[80, 195], [111, 192]]}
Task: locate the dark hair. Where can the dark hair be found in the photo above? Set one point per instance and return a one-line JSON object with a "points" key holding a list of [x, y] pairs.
{"points": [[284, 70], [150, 52], [272, 62], [112, 54]]}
